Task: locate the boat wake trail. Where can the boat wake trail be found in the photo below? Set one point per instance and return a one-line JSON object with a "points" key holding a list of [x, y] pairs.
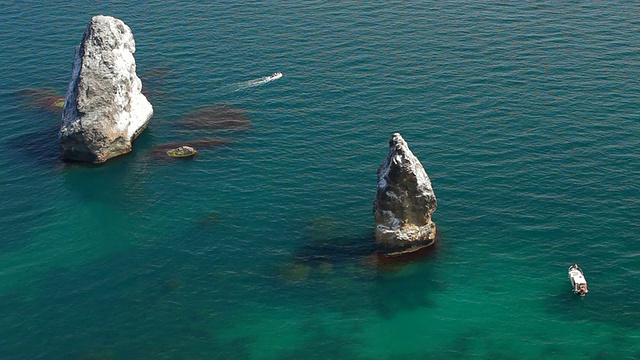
{"points": [[257, 82]]}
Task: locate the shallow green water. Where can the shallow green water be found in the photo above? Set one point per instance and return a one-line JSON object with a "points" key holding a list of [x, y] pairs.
{"points": [[524, 115]]}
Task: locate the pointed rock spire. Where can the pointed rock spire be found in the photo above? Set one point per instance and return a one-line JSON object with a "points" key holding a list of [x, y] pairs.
{"points": [[104, 109], [404, 202]]}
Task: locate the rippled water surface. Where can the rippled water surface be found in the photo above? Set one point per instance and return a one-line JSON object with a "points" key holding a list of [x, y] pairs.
{"points": [[525, 116]]}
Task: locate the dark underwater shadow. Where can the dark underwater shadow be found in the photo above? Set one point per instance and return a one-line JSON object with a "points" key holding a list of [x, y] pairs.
{"points": [[336, 250], [325, 251], [38, 147], [386, 285], [220, 117], [324, 242], [40, 111]]}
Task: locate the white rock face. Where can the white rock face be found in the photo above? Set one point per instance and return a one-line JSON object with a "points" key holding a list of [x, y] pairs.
{"points": [[104, 108], [404, 202]]}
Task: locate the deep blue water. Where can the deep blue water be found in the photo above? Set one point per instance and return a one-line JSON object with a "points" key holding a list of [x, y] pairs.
{"points": [[525, 116]]}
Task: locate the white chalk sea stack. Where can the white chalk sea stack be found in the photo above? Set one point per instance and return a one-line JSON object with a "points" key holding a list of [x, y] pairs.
{"points": [[404, 202], [104, 108]]}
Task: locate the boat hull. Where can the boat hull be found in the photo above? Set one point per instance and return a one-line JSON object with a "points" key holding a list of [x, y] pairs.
{"points": [[578, 281]]}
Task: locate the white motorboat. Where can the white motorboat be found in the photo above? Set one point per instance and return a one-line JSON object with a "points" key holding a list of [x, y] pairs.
{"points": [[578, 281], [274, 76]]}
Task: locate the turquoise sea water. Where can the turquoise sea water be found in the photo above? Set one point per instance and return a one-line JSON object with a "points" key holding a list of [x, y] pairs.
{"points": [[525, 116]]}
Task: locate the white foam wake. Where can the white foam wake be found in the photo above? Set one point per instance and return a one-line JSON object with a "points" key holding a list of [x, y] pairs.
{"points": [[257, 82]]}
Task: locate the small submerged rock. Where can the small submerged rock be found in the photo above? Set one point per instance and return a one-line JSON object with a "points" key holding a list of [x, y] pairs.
{"points": [[211, 218], [216, 118], [182, 152], [295, 272], [326, 268], [172, 285]]}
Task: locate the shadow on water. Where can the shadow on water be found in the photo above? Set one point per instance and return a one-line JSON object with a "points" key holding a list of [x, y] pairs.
{"points": [[39, 143], [335, 251], [40, 146], [324, 242], [351, 271], [325, 250]]}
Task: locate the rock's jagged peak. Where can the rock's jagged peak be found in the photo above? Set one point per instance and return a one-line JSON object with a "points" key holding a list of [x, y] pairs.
{"points": [[104, 108], [109, 32], [404, 201], [401, 156]]}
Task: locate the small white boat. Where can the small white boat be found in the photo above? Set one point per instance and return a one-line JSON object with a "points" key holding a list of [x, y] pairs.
{"points": [[274, 76], [578, 281]]}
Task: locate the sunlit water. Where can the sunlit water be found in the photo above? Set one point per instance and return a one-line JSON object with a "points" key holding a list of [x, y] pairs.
{"points": [[524, 115]]}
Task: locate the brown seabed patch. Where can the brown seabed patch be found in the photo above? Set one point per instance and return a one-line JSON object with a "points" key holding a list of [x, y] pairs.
{"points": [[216, 118], [43, 99], [152, 81]]}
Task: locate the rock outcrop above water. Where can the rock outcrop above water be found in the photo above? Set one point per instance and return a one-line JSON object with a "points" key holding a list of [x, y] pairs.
{"points": [[404, 202], [182, 152], [104, 107], [161, 152]]}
